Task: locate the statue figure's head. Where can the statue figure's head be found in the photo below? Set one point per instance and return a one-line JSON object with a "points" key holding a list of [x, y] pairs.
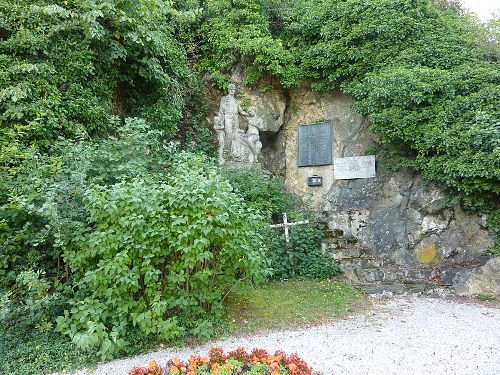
{"points": [[231, 88]]}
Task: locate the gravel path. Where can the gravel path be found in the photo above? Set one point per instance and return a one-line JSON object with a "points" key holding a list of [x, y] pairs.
{"points": [[403, 335]]}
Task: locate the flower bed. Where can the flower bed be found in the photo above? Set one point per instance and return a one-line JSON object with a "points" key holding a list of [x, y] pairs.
{"points": [[257, 362]]}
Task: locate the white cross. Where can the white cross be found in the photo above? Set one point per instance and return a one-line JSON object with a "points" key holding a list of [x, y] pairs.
{"points": [[286, 224]]}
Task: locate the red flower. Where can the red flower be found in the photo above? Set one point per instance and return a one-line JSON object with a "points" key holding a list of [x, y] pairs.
{"points": [[216, 355], [217, 362], [239, 354]]}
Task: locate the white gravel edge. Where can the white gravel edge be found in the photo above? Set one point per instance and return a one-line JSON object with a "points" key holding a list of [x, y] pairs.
{"points": [[401, 335]]}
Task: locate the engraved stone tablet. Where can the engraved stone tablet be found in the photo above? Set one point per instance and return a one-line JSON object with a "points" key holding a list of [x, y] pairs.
{"points": [[314, 144], [354, 167]]}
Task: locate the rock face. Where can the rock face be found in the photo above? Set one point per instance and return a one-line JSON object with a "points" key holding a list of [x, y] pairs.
{"points": [[484, 280], [350, 138], [393, 228]]}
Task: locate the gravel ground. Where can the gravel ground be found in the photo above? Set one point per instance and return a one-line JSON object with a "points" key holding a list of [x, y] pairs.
{"points": [[402, 335]]}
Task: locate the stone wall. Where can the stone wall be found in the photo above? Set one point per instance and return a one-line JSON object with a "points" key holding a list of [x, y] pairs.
{"points": [[391, 229]]}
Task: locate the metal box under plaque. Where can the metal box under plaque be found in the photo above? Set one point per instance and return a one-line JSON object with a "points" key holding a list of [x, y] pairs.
{"points": [[314, 180], [314, 144]]}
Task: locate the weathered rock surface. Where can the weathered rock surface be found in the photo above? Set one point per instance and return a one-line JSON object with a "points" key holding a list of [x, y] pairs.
{"points": [[350, 138], [484, 280], [391, 228]]}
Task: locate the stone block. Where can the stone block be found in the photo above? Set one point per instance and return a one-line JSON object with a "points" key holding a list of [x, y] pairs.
{"points": [[483, 280], [346, 254]]}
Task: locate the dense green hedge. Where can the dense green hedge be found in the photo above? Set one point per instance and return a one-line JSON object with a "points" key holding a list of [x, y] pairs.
{"points": [[132, 235]]}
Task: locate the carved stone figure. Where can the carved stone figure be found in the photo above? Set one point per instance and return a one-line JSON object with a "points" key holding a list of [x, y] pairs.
{"points": [[221, 137], [253, 136], [234, 143]]}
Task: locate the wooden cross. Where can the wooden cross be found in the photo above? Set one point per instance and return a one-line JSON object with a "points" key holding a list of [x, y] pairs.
{"points": [[286, 224]]}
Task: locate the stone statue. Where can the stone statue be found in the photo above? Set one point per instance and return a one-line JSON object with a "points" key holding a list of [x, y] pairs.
{"points": [[234, 143], [221, 137], [252, 135]]}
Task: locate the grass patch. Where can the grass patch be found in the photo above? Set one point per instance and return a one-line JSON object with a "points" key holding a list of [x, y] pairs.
{"points": [[486, 297], [293, 303], [34, 352], [269, 306]]}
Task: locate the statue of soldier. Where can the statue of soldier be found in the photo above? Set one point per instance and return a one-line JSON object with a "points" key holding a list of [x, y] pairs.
{"points": [[229, 110]]}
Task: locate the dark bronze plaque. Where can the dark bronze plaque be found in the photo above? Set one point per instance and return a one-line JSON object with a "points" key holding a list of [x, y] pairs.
{"points": [[314, 144]]}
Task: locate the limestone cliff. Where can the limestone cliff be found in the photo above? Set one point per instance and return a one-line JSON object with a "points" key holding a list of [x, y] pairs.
{"points": [[394, 228]]}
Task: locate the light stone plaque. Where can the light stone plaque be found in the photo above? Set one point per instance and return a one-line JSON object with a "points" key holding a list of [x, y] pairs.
{"points": [[354, 167]]}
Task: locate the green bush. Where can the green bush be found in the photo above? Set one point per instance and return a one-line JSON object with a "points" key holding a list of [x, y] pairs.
{"points": [[159, 255], [238, 31], [44, 205], [139, 233], [30, 303], [301, 257], [262, 192], [30, 351]]}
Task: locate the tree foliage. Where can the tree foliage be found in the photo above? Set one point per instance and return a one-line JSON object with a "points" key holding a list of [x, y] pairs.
{"points": [[417, 69], [66, 68], [151, 237]]}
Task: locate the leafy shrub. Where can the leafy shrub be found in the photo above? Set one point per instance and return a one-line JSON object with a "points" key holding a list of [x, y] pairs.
{"points": [[44, 205], [258, 361], [262, 192], [236, 31], [159, 255], [147, 236], [30, 302], [25, 350], [301, 257]]}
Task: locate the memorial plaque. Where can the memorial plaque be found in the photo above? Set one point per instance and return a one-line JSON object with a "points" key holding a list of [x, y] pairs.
{"points": [[354, 167], [314, 143]]}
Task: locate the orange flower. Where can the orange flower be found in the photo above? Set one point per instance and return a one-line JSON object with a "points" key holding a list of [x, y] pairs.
{"points": [[173, 369], [176, 361], [152, 365], [204, 360], [292, 366], [216, 368]]}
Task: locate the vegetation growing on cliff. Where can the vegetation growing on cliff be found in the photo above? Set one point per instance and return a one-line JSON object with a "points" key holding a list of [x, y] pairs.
{"points": [[417, 69]]}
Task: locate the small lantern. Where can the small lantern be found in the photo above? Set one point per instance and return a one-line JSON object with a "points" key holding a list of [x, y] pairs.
{"points": [[314, 180]]}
